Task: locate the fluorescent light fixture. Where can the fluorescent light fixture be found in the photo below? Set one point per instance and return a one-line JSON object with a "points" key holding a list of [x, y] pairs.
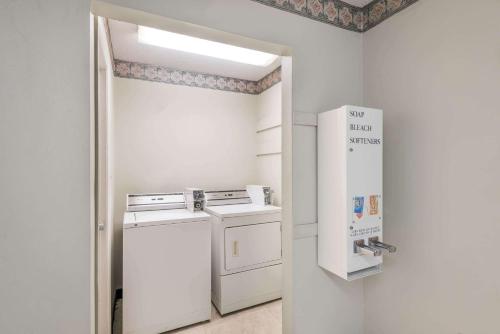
{"points": [[203, 47]]}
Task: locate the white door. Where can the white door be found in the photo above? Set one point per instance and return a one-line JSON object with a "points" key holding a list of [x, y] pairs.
{"points": [[249, 245], [104, 222]]}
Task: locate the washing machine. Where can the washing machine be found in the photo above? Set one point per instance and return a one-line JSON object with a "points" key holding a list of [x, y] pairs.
{"points": [[246, 250], [166, 264]]}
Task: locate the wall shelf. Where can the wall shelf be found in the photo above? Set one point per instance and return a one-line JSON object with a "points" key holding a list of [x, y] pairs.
{"points": [[268, 128], [267, 154]]}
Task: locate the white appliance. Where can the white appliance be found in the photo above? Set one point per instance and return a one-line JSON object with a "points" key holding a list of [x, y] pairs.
{"points": [[350, 200], [246, 250], [166, 264]]}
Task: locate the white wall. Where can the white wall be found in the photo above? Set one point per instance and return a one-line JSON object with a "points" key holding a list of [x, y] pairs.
{"points": [[45, 136], [45, 279], [327, 65], [169, 137], [434, 69], [268, 129]]}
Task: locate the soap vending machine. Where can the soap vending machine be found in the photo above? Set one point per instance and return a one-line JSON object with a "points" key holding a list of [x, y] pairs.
{"points": [[350, 197]]}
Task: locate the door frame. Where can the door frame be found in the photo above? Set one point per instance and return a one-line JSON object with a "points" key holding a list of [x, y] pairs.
{"points": [[107, 10]]}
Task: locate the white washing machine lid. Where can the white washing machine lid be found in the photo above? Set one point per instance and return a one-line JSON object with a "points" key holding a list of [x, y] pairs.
{"points": [[238, 210], [162, 217]]}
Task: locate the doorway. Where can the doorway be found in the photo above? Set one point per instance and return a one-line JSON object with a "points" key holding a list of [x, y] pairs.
{"points": [[123, 19]]}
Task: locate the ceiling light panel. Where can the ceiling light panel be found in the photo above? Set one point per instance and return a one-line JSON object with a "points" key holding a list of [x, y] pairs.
{"points": [[185, 43]]}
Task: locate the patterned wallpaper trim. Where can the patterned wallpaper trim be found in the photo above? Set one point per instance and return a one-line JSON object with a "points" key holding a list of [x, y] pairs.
{"points": [[378, 11], [134, 70], [342, 14]]}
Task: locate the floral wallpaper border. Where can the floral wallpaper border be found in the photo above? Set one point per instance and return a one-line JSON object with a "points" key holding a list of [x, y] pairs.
{"points": [[342, 14], [135, 70], [378, 11]]}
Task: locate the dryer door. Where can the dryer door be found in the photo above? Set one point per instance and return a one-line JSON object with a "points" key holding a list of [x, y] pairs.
{"points": [[252, 245]]}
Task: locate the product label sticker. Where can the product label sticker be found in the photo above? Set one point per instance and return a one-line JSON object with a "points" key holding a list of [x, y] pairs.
{"points": [[359, 203], [374, 204]]}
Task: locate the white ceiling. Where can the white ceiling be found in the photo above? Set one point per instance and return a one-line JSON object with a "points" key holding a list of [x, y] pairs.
{"points": [[126, 47], [358, 3]]}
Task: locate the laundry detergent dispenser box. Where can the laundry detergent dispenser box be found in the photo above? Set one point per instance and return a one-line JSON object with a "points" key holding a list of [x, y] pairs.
{"points": [[350, 197]]}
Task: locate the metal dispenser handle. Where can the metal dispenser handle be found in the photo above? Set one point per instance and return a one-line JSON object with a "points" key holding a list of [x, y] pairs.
{"points": [[362, 248], [374, 242]]}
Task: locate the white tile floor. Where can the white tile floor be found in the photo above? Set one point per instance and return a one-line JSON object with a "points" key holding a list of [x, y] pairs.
{"points": [[261, 319]]}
